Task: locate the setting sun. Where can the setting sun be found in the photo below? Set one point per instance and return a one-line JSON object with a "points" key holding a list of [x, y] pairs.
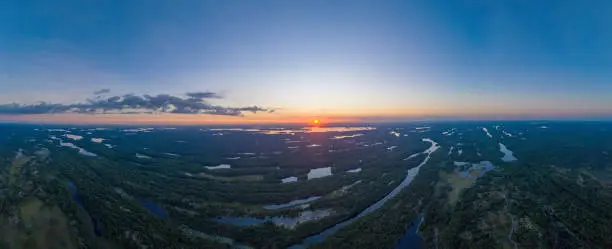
{"points": [[316, 121]]}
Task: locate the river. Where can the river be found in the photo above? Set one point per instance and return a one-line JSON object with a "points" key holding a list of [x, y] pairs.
{"points": [[77, 199], [411, 239], [317, 238]]}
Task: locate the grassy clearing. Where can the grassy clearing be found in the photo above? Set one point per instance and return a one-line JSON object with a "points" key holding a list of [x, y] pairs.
{"points": [[459, 183], [44, 226], [16, 165]]}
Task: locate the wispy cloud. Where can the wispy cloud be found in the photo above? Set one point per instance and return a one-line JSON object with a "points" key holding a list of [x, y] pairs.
{"points": [[102, 91], [191, 103]]}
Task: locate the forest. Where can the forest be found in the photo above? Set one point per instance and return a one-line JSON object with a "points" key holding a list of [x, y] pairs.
{"points": [[158, 187]]}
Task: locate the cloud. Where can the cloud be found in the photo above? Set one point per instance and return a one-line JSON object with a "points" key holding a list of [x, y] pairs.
{"points": [[204, 95], [102, 91], [193, 103]]}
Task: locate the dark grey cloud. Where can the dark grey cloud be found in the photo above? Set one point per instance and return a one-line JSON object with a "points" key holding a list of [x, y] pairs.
{"points": [[204, 95], [32, 109], [194, 103], [102, 91]]}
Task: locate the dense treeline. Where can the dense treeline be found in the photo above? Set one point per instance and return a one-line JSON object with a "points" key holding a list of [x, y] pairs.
{"points": [[527, 206]]}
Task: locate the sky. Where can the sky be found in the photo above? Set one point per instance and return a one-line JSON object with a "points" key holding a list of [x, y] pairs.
{"points": [[142, 61]]}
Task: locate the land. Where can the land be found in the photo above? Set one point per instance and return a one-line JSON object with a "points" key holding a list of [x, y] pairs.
{"points": [[208, 187]]}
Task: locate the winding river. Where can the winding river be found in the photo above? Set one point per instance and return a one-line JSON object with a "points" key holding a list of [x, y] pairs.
{"points": [[317, 238]]}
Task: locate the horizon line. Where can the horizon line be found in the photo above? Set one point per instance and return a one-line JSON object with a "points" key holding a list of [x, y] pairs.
{"points": [[329, 124]]}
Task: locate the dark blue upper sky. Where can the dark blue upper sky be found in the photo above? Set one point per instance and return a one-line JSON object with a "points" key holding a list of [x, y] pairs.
{"points": [[499, 58]]}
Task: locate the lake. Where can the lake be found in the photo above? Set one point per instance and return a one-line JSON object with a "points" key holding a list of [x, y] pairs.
{"points": [[508, 154], [291, 203], [154, 208], [319, 173], [483, 166]]}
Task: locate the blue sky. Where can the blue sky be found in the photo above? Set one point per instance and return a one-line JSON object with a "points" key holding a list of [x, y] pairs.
{"points": [[362, 58]]}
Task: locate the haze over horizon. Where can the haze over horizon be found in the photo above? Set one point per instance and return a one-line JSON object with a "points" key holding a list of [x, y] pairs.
{"points": [[197, 62]]}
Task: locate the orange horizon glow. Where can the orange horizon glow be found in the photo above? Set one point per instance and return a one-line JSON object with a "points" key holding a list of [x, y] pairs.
{"points": [[295, 116]]}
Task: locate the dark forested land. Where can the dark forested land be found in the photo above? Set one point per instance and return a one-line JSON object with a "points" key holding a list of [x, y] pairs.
{"points": [[209, 187]]}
